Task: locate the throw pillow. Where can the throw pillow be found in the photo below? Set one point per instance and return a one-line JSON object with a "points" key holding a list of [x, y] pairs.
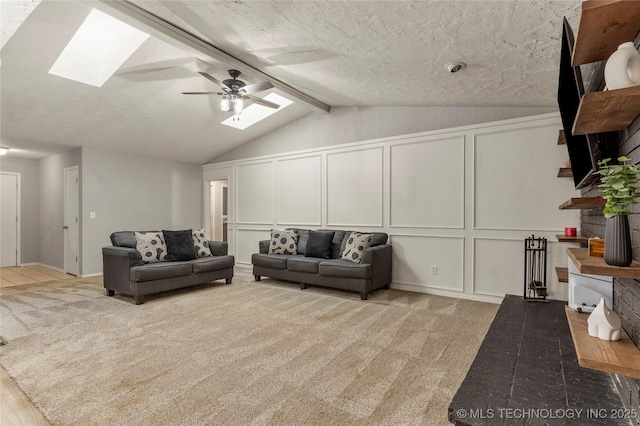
{"points": [[180, 245], [151, 246], [201, 243], [283, 242], [319, 244], [357, 244]]}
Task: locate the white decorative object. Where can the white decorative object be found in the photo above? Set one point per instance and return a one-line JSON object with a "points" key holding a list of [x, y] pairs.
{"points": [[623, 67], [603, 323]]}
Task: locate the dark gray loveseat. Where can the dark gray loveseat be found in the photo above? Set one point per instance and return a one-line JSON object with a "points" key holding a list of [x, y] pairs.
{"points": [[125, 272], [374, 272]]}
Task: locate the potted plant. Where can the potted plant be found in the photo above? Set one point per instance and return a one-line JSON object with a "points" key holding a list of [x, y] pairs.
{"points": [[619, 186]]}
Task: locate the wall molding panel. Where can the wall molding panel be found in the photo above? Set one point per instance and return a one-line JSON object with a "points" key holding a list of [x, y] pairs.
{"points": [[460, 199], [418, 183], [354, 187]]}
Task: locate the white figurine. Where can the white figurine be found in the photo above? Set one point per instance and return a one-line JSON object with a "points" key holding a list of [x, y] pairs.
{"points": [[604, 323]]}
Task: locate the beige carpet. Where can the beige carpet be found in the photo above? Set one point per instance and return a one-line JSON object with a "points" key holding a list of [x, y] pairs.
{"points": [[242, 354]]}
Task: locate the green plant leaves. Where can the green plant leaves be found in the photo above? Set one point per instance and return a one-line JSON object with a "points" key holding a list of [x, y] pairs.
{"points": [[619, 186]]}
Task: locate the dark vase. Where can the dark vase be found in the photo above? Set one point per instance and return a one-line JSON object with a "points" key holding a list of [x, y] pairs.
{"points": [[617, 241]]}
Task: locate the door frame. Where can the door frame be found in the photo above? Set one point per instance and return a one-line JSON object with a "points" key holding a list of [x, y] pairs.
{"points": [[64, 216], [18, 212]]}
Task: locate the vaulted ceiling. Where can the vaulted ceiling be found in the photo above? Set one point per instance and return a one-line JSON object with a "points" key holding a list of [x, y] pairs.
{"points": [[352, 53]]}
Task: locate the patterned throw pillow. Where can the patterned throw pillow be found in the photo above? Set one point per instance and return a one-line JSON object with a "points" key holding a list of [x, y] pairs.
{"points": [[151, 246], [201, 243], [283, 242], [357, 244]]}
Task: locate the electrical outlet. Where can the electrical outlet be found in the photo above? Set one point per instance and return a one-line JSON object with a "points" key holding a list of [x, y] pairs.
{"points": [[434, 269], [92, 215]]}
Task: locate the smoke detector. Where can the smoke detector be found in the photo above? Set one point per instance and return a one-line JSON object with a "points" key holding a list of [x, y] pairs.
{"points": [[454, 67]]}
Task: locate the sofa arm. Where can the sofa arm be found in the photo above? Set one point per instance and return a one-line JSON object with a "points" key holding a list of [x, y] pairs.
{"points": [[379, 257], [264, 246], [116, 263], [219, 248]]}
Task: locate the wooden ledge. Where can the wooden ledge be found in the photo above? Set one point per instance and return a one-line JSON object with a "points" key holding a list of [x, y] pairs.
{"points": [[596, 265], [619, 357]]}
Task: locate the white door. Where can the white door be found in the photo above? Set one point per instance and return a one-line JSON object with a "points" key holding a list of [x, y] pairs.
{"points": [[71, 221], [8, 219], [219, 210]]}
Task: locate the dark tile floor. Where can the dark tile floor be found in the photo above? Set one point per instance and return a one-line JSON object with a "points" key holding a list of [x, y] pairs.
{"points": [[526, 373]]}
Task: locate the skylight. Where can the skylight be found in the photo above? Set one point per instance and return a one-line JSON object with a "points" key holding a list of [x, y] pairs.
{"points": [[97, 49], [254, 113]]}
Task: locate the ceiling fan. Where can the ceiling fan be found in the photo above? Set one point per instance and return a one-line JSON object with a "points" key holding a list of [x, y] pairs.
{"points": [[235, 92]]}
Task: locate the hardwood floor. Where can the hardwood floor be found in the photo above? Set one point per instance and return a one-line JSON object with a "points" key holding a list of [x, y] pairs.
{"points": [[15, 407], [17, 275]]}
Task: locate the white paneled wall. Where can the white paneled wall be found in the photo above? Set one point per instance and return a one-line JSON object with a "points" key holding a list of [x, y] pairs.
{"points": [[354, 187], [298, 191], [457, 203]]}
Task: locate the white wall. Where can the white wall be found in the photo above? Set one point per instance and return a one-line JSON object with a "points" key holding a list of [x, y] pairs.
{"points": [[134, 193], [353, 124], [51, 234], [462, 199]]}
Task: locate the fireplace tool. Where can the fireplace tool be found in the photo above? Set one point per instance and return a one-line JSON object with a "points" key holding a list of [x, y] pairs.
{"points": [[535, 269]]}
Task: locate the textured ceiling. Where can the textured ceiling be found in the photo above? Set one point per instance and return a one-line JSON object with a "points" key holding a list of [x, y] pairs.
{"points": [[341, 53]]}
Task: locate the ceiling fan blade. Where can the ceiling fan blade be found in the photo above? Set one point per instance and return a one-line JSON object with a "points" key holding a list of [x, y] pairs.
{"points": [[263, 102], [214, 80], [202, 93], [257, 87]]}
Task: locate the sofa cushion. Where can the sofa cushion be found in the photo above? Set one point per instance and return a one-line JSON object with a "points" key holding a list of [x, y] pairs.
{"points": [[273, 261], [319, 244], [201, 243], [283, 241], [180, 245], [344, 269], [336, 244], [303, 237], [357, 244], [124, 239], [212, 263], [303, 264], [151, 246], [158, 271], [379, 238]]}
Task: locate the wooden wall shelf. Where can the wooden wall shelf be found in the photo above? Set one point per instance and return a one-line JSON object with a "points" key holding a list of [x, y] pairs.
{"points": [[577, 239], [596, 265], [562, 140], [583, 203], [604, 25], [565, 172], [607, 111], [619, 357], [562, 274]]}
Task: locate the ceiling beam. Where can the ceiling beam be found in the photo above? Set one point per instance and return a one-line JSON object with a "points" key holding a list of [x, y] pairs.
{"points": [[201, 49]]}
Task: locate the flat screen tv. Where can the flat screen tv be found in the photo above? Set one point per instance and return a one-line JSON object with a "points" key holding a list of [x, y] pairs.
{"points": [[584, 150]]}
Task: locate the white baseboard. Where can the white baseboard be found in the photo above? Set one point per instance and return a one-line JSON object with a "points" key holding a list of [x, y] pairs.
{"points": [[28, 264], [446, 293], [97, 274]]}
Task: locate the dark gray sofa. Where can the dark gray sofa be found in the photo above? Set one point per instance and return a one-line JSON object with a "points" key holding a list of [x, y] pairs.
{"points": [[374, 272], [125, 272]]}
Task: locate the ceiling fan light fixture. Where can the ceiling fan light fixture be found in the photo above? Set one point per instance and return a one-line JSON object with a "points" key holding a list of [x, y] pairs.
{"points": [[238, 105], [224, 104]]}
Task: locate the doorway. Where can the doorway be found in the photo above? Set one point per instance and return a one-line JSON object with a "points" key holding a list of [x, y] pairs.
{"points": [[9, 219], [71, 225], [219, 189]]}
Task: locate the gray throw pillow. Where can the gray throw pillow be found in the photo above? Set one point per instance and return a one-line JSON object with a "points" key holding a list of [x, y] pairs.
{"points": [[319, 244], [179, 245]]}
